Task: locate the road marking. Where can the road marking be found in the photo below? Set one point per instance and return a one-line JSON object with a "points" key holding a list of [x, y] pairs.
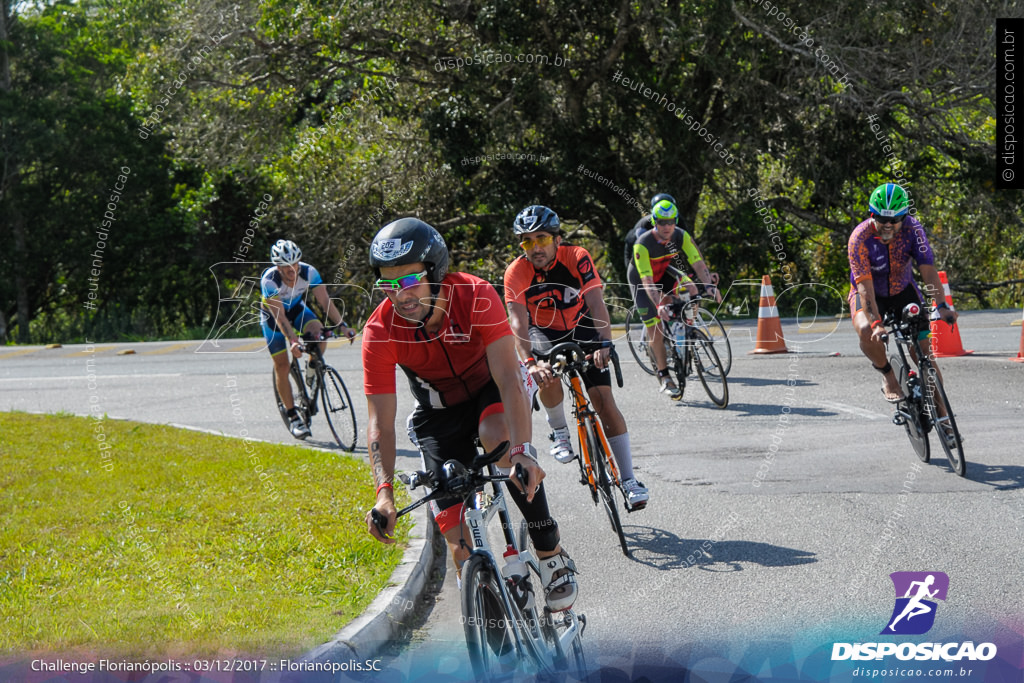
{"points": [[21, 352], [65, 378], [89, 351], [815, 328], [168, 349], [854, 410]]}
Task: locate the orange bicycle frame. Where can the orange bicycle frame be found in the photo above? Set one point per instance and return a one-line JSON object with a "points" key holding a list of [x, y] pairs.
{"points": [[583, 412]]}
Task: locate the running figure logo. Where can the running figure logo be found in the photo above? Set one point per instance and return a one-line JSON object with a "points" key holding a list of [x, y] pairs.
{"points": [[914, 612]]}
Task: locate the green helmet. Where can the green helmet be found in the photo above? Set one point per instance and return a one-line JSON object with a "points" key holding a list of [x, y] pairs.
{"points": [[663, 211], [889, 200]]}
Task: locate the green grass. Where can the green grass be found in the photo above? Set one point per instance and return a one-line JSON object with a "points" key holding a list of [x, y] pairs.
{"points": [[174, 544]]}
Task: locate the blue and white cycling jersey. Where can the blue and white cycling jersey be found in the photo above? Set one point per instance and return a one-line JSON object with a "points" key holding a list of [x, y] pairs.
{"points": [[273, 287]]}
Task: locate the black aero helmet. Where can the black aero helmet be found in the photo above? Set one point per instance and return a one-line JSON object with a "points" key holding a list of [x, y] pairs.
{"points": [[537, 217], [410, 240], [660, 197]]}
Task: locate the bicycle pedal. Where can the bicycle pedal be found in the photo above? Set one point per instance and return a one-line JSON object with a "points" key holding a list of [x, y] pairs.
{"points": [[898, 419]]}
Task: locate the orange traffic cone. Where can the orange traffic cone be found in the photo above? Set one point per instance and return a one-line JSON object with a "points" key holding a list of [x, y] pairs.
{"points": [[1020, 354], [945, 341], [769, 327]]}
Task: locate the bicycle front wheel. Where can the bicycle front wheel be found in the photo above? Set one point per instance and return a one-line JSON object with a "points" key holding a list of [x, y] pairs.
{"points": [[490, 634], [709, 368], [714, 329], [910, 412], [636, 336], [338, 409], [299, 396], [945, 424], [605, 486]]}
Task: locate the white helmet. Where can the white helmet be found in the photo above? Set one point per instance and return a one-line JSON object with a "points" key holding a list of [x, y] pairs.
{"points": [[285, 253]]}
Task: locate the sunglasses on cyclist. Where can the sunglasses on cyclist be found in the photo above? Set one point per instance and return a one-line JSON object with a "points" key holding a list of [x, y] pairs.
{"points": [[400, 283], [667, 221], [540, 241], [885, 220]]}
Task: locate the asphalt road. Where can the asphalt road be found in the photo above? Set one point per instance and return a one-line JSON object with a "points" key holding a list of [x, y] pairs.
{"points": [[799, 557]]}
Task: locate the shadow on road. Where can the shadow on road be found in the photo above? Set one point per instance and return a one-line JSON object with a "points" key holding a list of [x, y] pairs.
{"points": [[764, 382], [776, 408], [1000, 477], [664, 550]]}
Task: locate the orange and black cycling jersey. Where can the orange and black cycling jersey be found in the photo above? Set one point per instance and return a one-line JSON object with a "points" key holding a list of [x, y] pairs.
{"points": [[554, 296]]}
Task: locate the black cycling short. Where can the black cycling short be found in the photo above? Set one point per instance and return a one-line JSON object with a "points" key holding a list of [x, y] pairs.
{"points": [[645, 308], [543, 339], [887, 304], [450, 434]]}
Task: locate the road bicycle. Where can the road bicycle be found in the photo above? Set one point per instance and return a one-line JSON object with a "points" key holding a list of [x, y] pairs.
{"points": [[598, 470], [509, 631], [924, 405], [687, 346], [704, 319], [318, 386]]}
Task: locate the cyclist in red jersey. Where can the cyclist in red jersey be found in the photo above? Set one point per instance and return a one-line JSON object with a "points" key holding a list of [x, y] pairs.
{"points": [[554, 294], [449, 334]]}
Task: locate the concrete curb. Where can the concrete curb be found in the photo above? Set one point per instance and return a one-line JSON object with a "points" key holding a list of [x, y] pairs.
{"points": [[364, 637]]}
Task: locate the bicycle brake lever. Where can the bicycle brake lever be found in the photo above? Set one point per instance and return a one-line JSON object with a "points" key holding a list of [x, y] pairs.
{"points": [[519, 472], [615, 363], [379, 521]]}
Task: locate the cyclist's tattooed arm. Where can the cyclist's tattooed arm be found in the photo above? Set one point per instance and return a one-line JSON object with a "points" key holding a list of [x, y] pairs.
{"points": [[380, 434], [377, 465]]}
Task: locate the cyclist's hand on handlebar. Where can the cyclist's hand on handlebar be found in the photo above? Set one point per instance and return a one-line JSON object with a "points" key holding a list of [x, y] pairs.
{"points": [[296, 347], [714, 291], [541, 372], [879, 334], [664, 313], [949, 316], [600, 357], [534, 475], [386, 509]]}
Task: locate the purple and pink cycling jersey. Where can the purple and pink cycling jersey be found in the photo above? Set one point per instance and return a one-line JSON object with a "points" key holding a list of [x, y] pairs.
{"points": [[889, 266]]}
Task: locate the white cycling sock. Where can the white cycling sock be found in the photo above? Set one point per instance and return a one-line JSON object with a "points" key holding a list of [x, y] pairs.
{"points": [[555, 416], [623, 455]]}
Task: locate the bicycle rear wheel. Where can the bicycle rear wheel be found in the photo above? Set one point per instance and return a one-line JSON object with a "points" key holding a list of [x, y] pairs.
{"points": [[711, 326], [636, 336], [338, 409], [299, 397], [945, 426], [709, 368], [908, 410], [490, 635], [602, 474]]}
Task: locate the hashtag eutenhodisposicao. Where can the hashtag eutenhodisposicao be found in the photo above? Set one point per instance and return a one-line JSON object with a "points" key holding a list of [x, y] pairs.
{"points": [[679, 112]]}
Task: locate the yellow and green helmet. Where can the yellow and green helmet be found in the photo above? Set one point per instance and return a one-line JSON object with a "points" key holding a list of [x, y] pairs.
{"points": [[889, 200], [664, 211]]}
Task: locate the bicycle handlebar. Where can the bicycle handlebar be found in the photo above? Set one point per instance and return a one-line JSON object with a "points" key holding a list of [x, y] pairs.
{"points": [[578, 357], [460, 481]]}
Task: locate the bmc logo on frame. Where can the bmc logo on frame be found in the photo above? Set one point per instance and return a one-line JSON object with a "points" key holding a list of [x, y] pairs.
{"points": [[914, 614]]}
